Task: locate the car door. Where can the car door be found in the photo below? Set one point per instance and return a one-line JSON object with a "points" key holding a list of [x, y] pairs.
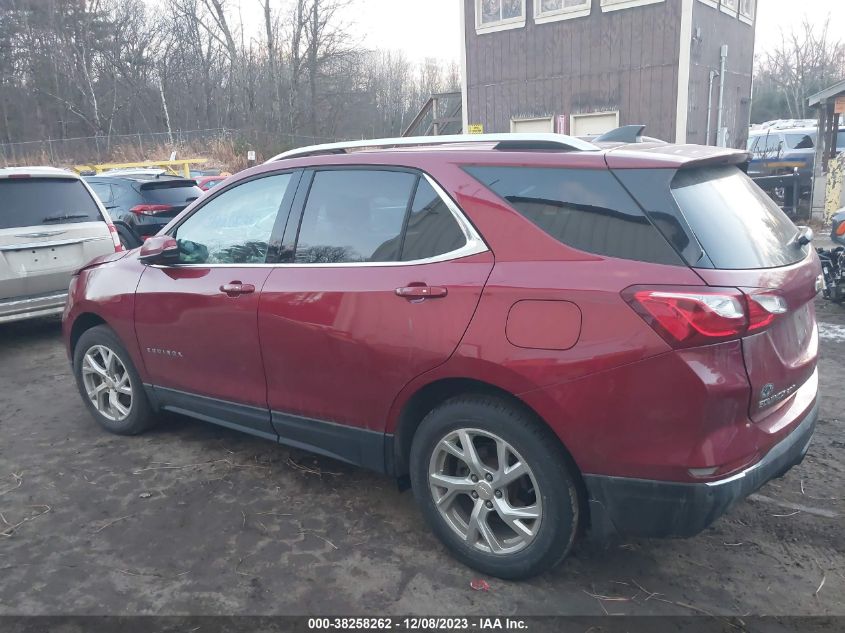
{"points": [[196, 320], [380, 282]]}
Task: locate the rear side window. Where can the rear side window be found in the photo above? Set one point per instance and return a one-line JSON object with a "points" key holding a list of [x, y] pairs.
{"points": [[736, 223], [432, 229], [354, 215], [45, 201], [103, 191], [583, 208], [176, 193]]}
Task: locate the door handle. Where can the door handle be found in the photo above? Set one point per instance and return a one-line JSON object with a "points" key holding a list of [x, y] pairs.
{"points": [[236, 288], [422, 292]]}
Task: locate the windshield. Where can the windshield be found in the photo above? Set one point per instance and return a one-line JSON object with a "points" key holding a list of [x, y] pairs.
{"points": [[736, 223], [40, 201]]}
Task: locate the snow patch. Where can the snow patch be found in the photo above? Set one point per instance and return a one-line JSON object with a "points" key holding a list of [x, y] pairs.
{"points": [[831, 332]]}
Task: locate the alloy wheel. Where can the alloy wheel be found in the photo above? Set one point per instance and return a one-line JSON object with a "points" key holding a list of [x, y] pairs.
{"points": [[107, 383], [485, 491]]}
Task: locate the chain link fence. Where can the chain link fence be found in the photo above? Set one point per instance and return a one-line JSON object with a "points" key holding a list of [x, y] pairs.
{"points": [[149, 146]]}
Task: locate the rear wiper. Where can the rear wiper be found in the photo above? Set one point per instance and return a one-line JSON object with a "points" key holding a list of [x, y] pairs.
{"points": [[803, 237], [61, 218]]}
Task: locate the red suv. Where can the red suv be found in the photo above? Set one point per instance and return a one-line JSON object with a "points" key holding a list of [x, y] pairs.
{"points": [[541, 335]]}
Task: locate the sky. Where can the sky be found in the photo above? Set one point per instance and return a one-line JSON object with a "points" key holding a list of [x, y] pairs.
{"points": [[430, 28]]}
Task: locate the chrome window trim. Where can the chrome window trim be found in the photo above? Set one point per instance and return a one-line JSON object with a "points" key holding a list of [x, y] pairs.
{"points": [[474, 245]]}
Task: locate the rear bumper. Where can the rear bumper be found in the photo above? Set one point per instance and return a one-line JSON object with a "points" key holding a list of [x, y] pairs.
{"points": [[640, 507], [22, 308]]}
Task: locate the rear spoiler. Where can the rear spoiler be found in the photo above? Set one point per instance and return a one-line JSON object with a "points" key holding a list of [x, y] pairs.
{"points": [[664, 156], [166, 184]]}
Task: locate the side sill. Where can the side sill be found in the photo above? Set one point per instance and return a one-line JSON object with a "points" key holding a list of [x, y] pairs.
{"points": [[240, 417], [353, 445], [368, 449]]}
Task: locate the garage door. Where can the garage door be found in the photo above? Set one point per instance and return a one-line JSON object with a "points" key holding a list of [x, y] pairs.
{"points": [[594, 123], [545, 124]]}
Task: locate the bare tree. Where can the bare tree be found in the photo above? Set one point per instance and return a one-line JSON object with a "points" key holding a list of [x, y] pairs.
{"points": [[807, 60]]}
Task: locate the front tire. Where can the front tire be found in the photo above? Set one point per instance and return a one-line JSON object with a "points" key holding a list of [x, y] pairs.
{"points": [[494, 486], [109, 383]]}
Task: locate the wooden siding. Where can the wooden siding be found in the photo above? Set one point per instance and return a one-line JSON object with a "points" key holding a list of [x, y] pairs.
{"points": [[718, 28], [625, 60]]}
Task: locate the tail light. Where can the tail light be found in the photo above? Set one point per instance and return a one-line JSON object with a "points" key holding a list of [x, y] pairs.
{"points": [[840, 230], [687, 317], [150, 209], [115, 238]]}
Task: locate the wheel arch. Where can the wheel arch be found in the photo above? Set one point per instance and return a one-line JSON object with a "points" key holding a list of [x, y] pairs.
{"points": [[431, 395], [81, 324]]}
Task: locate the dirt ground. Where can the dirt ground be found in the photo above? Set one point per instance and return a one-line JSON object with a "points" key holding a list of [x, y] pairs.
{"points": [[195, 519]]}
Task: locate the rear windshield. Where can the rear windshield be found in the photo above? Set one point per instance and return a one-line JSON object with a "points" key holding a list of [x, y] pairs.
{"points": [[45, 201], [736, 223], [175, 192]]}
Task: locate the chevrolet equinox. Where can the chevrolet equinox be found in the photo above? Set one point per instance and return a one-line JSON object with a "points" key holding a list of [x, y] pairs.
{"points": [[541, 335]]}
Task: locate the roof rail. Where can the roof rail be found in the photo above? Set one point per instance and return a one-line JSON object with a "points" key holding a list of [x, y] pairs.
{"points": [[526, 141]]}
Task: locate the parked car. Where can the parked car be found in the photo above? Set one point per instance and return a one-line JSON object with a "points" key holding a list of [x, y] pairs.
{"points": [[543, 336], [776, 152], [208, 182], [50, 225], [142, 202]]}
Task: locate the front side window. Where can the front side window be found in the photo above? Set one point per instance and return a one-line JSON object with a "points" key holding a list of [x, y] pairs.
{"points": [[490, 13], [235, 227], [354, 216], [584, 208]]}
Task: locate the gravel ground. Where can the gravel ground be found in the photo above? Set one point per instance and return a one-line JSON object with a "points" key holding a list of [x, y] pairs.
{"points": [[195, 519]]}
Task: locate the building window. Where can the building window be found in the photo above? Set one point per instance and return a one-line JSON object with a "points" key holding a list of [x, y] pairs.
{"points": [[730, 6], [553, 10], [614, 5], [497, 15], [593, 123], [746, 9], [533, 124]]}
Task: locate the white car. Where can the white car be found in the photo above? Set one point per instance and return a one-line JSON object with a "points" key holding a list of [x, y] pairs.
{"points": [[51, 224]]}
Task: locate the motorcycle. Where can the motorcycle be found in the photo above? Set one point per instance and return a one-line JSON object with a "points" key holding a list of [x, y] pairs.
{"points": [[833, 261]]}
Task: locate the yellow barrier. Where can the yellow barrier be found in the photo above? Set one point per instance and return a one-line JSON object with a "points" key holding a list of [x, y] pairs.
{"points": [[170, 165]]}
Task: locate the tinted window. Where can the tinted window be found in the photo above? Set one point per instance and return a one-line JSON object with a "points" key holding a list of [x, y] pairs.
{"points": [[800, 141], [235, 227], [36, 201], [176, 193], [354, 215], [584, 208], [432, 229], [103, 191], [736, 223]]}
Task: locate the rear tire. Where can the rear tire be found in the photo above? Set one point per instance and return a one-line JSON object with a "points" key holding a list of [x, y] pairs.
{"points": [[491, 517], [109, 383]]}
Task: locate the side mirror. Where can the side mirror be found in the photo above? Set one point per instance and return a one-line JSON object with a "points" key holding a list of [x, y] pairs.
{"points": [[159, 249]]}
